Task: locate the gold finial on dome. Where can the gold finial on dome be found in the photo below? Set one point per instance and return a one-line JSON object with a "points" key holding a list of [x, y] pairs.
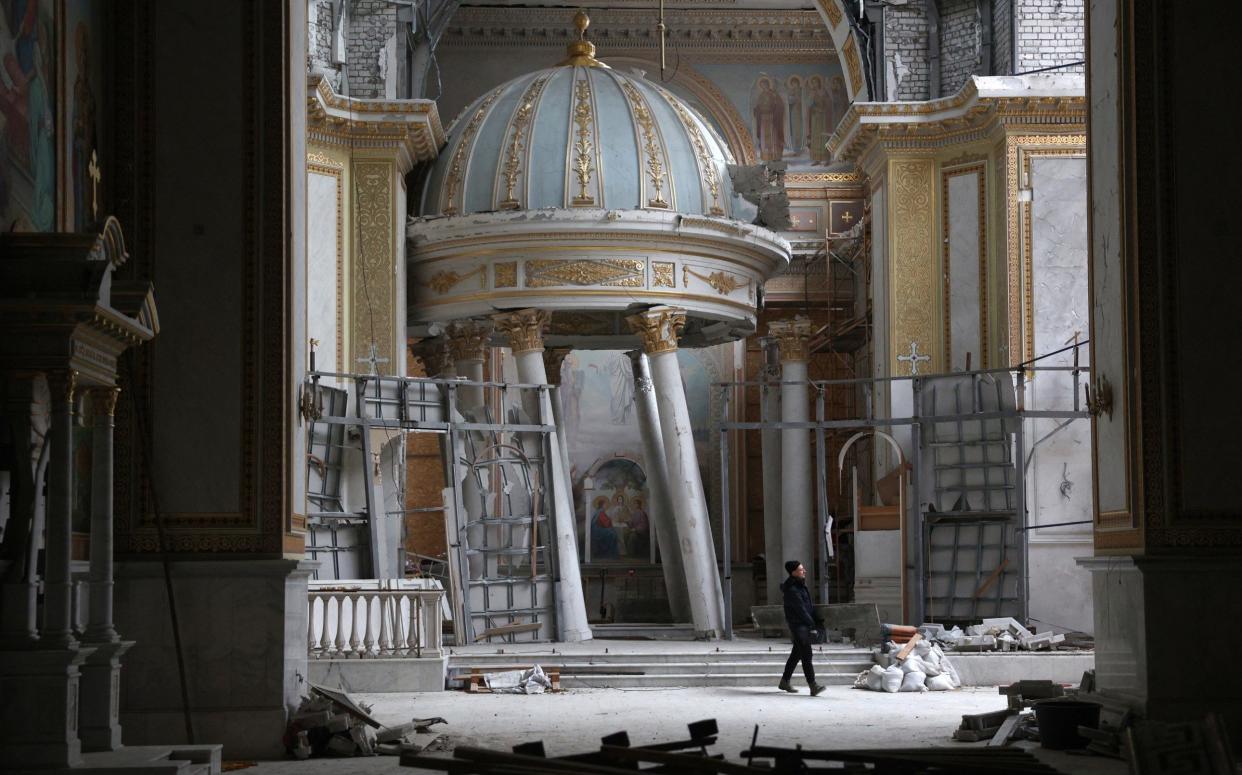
{"points": [[581, 51]]}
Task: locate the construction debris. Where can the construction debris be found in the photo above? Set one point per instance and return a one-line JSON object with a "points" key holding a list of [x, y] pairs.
{"points": [[919, 666], [329, 723], [1001, 633]]}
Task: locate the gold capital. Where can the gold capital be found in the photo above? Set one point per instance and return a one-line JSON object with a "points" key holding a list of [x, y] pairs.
{"points": [[61, 384], [103, 400], [792, 336], [468, 339], [659, 328], [524, 328], [435, 355]]}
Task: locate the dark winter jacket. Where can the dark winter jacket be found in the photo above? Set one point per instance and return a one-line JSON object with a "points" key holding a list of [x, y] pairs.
{"points": [[798, 611]]}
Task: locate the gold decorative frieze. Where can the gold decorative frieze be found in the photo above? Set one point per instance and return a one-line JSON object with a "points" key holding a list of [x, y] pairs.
{"points": [[707, 165], [614, 272], [323, 160], [655, 154], [468, 339], [663, 274], [457, 167], [372, 323], [516, 150], [445, 280], [584, 148], [722, 282], [793, 337], [524, 329], [831, 10], [853, 64], [659, 328], [505, 274]]}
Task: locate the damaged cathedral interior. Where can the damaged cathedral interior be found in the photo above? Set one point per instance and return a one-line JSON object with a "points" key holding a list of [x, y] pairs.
{"points": [[369, 366]]}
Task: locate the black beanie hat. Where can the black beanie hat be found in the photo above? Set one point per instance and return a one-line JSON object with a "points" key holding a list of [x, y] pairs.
{"points": [[791, 566]]}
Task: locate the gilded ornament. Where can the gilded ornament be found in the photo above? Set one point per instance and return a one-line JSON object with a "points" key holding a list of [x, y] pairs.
{"points": [[468, 339], [793, 337], [517, 141], [723, 283], [853, 64], [655, 162], [915, 264], [444, 280], [832, 11], [524, 328], [659, 328], [103, 400], [711, 176], [458, 165], [583, 147], [505, 273], [617, 272], [374, 256], [662, 274]]}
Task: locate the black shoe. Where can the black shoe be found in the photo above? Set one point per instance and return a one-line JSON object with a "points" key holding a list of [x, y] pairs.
{"points": [[817, 688], [784, 685]]}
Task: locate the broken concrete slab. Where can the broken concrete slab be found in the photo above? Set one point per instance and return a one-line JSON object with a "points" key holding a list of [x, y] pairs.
{"points": [[1006, 623], [976, 643]]}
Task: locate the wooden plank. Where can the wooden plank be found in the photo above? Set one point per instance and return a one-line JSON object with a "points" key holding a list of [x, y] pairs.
{"points": [[1006, 731], [990, 580], [507, 629], [682, 762], [906, 649]]}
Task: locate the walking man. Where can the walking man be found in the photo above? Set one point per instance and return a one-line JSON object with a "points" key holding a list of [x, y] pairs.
{"points": [[802, 627]]}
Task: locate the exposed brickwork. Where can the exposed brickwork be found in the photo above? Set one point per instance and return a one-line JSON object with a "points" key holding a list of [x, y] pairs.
{"points": [[1001, 62], [1050, 33], [319, 41], [960, 43], [371, 24], [905, 33]]}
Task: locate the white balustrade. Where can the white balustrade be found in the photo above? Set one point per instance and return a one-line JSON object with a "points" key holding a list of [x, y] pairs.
{"points": [[344, 622]]}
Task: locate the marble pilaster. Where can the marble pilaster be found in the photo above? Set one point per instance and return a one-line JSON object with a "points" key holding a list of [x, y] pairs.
{"points": [[659, 328], [798, 539], [57, 630], [661, 504]]}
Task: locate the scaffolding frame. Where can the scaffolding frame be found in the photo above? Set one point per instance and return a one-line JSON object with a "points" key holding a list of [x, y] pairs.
{"points": [[917, 423], [403, 405]]}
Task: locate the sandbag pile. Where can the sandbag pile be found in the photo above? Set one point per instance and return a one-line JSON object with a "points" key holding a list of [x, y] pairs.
{"points": [[920, 666]]}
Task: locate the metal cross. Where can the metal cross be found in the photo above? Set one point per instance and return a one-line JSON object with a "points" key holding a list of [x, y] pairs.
{"points": [[847, 216], [373, 359], [93, 170], [913, 358]]}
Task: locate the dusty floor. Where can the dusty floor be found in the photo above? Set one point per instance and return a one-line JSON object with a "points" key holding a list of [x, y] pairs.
{"points": [[573, 721]]}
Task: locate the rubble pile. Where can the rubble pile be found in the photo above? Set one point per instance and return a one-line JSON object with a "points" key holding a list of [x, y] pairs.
{"points": [[918, 666], [329, 723], [999, 634]]}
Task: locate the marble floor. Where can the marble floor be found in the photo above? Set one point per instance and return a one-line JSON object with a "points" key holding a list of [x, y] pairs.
{"points": [[574, 720]]}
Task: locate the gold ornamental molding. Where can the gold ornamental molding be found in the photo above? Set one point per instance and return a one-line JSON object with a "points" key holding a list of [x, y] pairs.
{"points": [[648, 136], [659, 328], [913, 264], [411, 128], [722, 282], [524, 329], [663, 274], [793, 337], [708, 173], [504, 274], [468, 340], [517, 152], [457, 166], [853, 63], [583, 164], [445, 280], [614, 272], [373, 281]]}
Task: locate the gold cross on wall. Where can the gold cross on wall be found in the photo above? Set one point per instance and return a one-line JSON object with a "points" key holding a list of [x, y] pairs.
{"points": [[93, 170]]}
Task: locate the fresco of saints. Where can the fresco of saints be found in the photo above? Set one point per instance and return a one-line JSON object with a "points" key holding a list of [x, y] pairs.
{"points": [[819, 120], [604, 544], [769, 114], [793, 86], [840, 99], [638, 541], [26, 107]]}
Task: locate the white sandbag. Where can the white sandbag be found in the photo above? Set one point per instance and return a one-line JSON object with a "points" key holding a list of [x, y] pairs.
{"points": [[875, 678], [949, 671], [913, 665], [891, 682], [914, 682], [860, 680], [940, 683]]}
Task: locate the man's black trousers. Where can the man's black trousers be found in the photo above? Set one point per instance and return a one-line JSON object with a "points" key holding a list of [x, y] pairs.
{"points": [[801, 652]]}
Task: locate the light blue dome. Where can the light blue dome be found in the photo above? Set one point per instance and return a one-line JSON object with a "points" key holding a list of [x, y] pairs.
{"points": [[580, 137]]}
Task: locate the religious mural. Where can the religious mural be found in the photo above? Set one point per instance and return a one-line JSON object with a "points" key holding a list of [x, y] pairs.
{"points": [[27, 115], [84, 104], [790, 109]]}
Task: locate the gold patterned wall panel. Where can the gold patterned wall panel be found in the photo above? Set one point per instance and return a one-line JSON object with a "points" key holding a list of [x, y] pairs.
{"points": [[914, 295], [373, 275], [613, 272]]}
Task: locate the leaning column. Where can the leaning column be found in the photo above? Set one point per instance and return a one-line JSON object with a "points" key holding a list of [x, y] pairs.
{"points": [[468, 342], [770, 445], [797, 523], [659, 328], [101, 683], [661, 504], [525, 330]]}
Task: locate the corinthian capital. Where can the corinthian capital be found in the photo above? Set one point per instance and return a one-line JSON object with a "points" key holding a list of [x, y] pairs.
{"points": [[468, 339], [659, 328], [524, 328], [792, 336]]}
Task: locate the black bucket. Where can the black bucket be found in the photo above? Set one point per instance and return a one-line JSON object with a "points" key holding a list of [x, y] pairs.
{"points": [[1059, 721]]}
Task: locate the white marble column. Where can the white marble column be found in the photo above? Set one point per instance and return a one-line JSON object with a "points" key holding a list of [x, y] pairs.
{"points": [[770, 444], [525, 330], [58, 586], [797, 518], [661, 504], [468, 342], [659, 328]]}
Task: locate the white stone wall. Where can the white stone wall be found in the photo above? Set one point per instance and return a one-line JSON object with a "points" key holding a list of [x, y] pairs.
{"points": [[1051, 33]]}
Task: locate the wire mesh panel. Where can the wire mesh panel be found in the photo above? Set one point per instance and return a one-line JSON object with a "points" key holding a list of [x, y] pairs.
{"points": [[335, 537]]}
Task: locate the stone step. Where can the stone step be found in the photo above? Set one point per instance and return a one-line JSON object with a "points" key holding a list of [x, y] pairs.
{"points": [[851, 667], [775, 656], [676, 680]]}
